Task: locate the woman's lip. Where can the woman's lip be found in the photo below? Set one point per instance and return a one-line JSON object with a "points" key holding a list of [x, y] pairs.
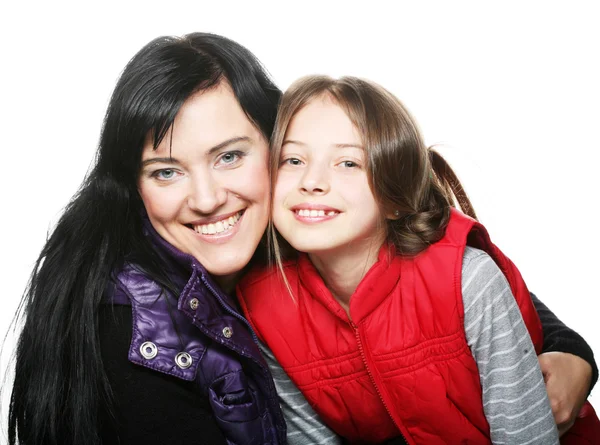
{"points": [[222, 237], [214, 219]]}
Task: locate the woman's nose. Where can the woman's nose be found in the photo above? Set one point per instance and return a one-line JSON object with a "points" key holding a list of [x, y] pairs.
{"points": [[206, 194]]}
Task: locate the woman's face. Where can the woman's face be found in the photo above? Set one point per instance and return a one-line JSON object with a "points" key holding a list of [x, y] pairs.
{"points": [[206, 186]]}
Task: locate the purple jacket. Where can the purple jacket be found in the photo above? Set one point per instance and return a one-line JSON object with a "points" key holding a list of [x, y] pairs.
{"points": [[204, 339]]}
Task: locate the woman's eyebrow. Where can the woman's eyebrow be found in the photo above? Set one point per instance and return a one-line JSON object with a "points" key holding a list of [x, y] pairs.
{"points": [[231, 141], [212, 150], [169, 160]]}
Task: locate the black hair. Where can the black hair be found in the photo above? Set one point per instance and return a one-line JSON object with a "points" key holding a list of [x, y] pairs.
{"points": [[59, 378]]}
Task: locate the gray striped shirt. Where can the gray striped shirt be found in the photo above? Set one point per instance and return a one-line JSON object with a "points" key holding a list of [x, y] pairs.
{"points": [[514, 396]]}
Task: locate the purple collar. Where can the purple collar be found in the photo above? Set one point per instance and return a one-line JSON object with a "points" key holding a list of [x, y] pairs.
{"points": [[177, 259]]}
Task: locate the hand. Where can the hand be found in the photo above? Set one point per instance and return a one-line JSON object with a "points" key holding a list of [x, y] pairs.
{"points": [[568, 380]]}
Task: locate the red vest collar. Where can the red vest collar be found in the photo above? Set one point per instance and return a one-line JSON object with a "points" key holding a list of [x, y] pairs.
{"points": [[375, 286]]}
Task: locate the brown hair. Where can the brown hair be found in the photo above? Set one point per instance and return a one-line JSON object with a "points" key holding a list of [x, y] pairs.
{"points": [[404, 175]]}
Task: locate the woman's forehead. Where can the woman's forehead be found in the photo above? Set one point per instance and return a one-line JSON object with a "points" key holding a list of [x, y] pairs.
{"points": [[207, 121]]}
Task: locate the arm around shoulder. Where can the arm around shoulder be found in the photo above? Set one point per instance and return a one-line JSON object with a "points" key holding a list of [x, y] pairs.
{"points": [[560, 338]]}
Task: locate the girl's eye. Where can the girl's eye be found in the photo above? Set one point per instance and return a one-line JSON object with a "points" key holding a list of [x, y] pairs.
{"points": [[292, 161], [349, 164]]}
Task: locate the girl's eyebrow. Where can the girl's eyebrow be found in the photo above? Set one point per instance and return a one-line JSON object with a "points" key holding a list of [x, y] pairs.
{"points": [[360, 147], [290, 141], [340, 145]]}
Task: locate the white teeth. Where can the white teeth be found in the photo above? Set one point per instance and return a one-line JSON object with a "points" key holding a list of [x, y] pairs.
{"points": [[219, 226], [315, 213]]}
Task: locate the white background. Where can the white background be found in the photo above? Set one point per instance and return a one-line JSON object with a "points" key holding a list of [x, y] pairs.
{"points": [[511, 89]]}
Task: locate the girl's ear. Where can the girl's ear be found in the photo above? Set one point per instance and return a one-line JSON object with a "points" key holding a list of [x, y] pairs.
{"points": [[394, 215]]}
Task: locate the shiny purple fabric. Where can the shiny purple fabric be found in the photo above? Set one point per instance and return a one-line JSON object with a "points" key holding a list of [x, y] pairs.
{"points": [[205, 323]]}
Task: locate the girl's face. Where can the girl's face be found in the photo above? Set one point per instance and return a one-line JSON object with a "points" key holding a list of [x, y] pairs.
{"points": [[322, 201], [206, 187]]}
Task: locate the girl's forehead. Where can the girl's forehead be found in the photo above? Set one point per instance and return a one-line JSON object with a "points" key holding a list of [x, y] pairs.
{"points": [[322, 119]]}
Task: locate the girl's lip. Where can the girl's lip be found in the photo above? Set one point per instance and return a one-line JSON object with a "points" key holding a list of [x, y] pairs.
{"points": [[310, 206], [315, 219]]}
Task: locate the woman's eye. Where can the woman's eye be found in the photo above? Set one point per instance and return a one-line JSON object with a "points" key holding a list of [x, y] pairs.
{"points": [[230, 157], [349, 164], [164, 174]]}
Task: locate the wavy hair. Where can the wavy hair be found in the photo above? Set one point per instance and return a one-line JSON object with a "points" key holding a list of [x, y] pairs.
{"points": [[406, 177]]}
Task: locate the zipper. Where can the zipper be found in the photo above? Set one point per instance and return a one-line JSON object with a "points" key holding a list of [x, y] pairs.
{"points": [[228, 309], [273, 398], [362, 355]]}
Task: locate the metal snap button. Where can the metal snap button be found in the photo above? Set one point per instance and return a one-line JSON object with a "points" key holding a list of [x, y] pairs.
{"points": [[194, 303], [183, 360], [227, 332], [148, 350]]}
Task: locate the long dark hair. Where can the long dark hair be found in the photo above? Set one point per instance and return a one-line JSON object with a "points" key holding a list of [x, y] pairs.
{"points": [[59, 379]]}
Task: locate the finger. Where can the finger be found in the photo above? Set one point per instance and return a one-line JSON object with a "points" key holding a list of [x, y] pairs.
{"points": [[563, 428]]}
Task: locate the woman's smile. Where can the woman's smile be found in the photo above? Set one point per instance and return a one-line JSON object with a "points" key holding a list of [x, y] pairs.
{"points": [[220, 229], [206, 186]]}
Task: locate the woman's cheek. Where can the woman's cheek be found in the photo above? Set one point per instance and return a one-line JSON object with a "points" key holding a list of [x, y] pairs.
{"points": [[161, 203]]}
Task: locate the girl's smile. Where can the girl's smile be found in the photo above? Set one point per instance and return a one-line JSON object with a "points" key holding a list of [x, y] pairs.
{"points": [[323, 201], [314, 213]]}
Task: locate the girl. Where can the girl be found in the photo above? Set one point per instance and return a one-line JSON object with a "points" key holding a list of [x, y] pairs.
{"points": [[405, 320]]}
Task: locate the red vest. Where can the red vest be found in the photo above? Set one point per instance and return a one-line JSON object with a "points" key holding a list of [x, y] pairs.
{"points": [[401, 364]]}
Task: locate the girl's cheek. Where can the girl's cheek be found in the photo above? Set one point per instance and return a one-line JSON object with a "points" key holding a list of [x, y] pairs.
{"points": [[279, 193]]}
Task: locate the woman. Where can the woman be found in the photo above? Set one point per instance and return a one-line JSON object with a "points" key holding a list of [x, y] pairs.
{"points": [[130, 335], [201, 109]]}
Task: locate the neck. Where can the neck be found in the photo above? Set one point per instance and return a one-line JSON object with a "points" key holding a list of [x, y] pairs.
{"points": [[227, 283], [343, 269]]}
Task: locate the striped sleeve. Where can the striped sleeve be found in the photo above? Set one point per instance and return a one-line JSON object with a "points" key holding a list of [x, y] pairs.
{"points": [[514, 395], [304, 426]]}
